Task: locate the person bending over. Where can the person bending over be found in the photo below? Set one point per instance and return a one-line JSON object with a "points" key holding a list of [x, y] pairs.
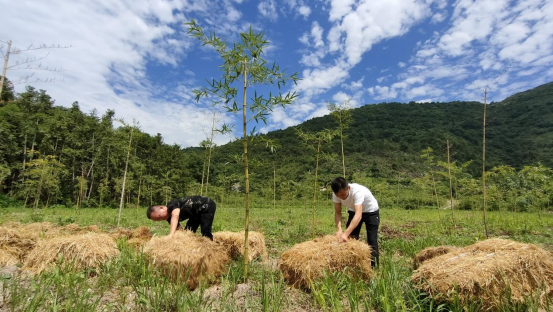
{"points": [[362, 208], [199, 211]]}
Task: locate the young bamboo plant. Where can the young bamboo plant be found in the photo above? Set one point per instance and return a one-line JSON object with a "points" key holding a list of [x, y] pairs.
{"points": [[316, 141], [342, 114], [209, 144], [243, 66]]}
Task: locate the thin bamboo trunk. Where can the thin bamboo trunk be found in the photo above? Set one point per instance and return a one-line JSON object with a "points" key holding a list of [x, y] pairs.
{"points": [[166, 187], [397, 197], [38, 190], [450, 185], [151, 194], [80, 199], [24, 156], [12, 183], [342, 144], [209, 156], [91, 184], [274, 186], [138, 196], [208, 166], [315, 192], [5, 66], [34, 141], [484, 162], [124, 179], [203, 174], [247, 176], [56, 146]]}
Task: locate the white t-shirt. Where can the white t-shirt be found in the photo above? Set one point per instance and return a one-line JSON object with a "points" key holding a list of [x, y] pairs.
{"points": [[358, 194]]}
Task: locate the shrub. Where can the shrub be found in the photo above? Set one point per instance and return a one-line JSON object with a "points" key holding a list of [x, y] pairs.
{"points": [[522, 204]]}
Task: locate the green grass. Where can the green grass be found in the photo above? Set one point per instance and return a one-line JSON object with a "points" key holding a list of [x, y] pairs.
{"points": [[126, 284]]}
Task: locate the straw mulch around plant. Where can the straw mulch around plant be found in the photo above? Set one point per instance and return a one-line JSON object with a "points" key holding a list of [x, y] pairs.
{"points": [[431, 252], [308, 261], [493, 271], [88, 250], [233, 243], [13, 246], [189, 258]]}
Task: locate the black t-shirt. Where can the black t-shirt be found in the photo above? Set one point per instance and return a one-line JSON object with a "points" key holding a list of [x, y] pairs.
{"points": [[191, 206]]}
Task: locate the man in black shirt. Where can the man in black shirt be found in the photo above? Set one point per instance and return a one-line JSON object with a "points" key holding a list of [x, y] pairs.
{"points": [[198, 210]]}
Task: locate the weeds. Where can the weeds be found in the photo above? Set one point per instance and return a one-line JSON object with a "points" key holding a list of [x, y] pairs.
{"points": [[129, 284]]}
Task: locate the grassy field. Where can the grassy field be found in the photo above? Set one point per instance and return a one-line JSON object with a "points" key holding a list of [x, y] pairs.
{"points": [[126, 284]]}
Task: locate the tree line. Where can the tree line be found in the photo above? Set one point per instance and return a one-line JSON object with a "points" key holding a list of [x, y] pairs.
{"points": [[54, 155]]}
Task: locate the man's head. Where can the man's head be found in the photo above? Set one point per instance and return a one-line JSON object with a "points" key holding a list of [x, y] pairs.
{"points": [[157, 213], [340, 187]]}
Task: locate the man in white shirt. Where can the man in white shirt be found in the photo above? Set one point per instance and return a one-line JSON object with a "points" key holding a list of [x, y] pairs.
{"points": [[363, 207]]}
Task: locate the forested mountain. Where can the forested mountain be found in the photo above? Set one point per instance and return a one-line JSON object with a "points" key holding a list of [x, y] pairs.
{"points": [[389, 137], [57, 155]]}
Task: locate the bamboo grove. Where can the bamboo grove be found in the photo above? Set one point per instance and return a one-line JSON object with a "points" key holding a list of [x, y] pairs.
{"points": [[53, 155]]}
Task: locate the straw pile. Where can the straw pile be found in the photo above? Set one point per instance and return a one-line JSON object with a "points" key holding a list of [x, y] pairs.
{"points": [[187, 257], [7, 258], [135, 238], [34, 230], [308, 261], [89, 250], [488, 271], [140, 236], [120, 233], [431, 252], [14, 247], [233, 243]]}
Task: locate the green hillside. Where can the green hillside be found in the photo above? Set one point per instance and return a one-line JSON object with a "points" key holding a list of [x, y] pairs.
{"points": [[57, 155], [389, 137]]}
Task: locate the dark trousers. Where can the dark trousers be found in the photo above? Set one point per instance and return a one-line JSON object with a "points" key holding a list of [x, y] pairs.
{"points": [[205, 220], [371, 220]]}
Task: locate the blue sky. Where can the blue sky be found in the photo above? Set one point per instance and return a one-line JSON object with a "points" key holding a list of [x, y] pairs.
{"points": [[135, 56]]}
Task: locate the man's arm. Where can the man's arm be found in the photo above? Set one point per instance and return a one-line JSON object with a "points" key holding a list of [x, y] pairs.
{"points": [[174, 221], [338, 218], [353, 224]]}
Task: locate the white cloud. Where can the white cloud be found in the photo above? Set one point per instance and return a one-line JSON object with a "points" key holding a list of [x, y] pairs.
{"points": [[486, 39], [317, 80], [268, 10], [425, 101], [438, 17], [340, 8], [354, 85], [425, 90], [113, 42], [427, 52], [341, 97], [317, 34], [304, 10], [311, 59], [371, 22], [304, 39], [381, 79], [472, 21], [382, 92], [319, 112], [401, 64]]}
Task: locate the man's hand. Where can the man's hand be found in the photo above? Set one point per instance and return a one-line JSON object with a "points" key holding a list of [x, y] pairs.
{"points": [[343, 238], [338, 235]]}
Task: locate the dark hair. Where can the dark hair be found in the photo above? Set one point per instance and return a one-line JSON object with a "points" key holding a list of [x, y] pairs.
{"points": [[150, 210], [338, 184]]}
